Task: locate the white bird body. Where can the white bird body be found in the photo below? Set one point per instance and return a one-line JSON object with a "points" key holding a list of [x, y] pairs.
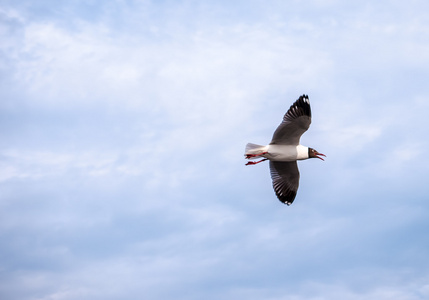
{"points": [[276, 152], [286, 152]]}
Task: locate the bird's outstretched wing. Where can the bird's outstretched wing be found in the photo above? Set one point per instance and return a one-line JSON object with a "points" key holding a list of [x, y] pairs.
{"points": [[296, 121], [285, 176]]}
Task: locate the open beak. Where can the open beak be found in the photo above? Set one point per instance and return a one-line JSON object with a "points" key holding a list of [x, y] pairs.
{"points": [[318, 155]]}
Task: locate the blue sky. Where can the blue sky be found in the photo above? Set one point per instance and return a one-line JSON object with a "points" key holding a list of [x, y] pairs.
{"points": [[123, 126]]}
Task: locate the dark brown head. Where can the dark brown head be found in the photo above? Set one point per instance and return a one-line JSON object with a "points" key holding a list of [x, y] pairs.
{"points": [[314, 154]]}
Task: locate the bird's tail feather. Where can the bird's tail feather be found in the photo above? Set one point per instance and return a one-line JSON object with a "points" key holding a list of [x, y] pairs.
{"points": [[254, 149]]}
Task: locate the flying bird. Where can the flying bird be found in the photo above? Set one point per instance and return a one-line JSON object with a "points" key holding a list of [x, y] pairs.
{"points": [[285, 149]]}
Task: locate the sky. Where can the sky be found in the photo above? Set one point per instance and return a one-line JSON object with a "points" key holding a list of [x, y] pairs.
{"points": [[123, 126]]}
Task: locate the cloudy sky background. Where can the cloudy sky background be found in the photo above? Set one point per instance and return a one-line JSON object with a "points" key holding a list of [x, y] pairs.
{"points": [[123, 126]]}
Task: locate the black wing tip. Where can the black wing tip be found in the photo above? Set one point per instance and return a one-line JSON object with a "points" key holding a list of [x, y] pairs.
{"points": [[287, 198], [304, 103], [301, 107], [303, 97]]}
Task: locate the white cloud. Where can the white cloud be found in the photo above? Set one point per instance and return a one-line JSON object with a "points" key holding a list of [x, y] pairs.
{"points": [[37, 164]]}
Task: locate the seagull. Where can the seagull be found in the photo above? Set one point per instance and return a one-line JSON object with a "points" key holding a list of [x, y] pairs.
{"points": [[285, 149]]}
